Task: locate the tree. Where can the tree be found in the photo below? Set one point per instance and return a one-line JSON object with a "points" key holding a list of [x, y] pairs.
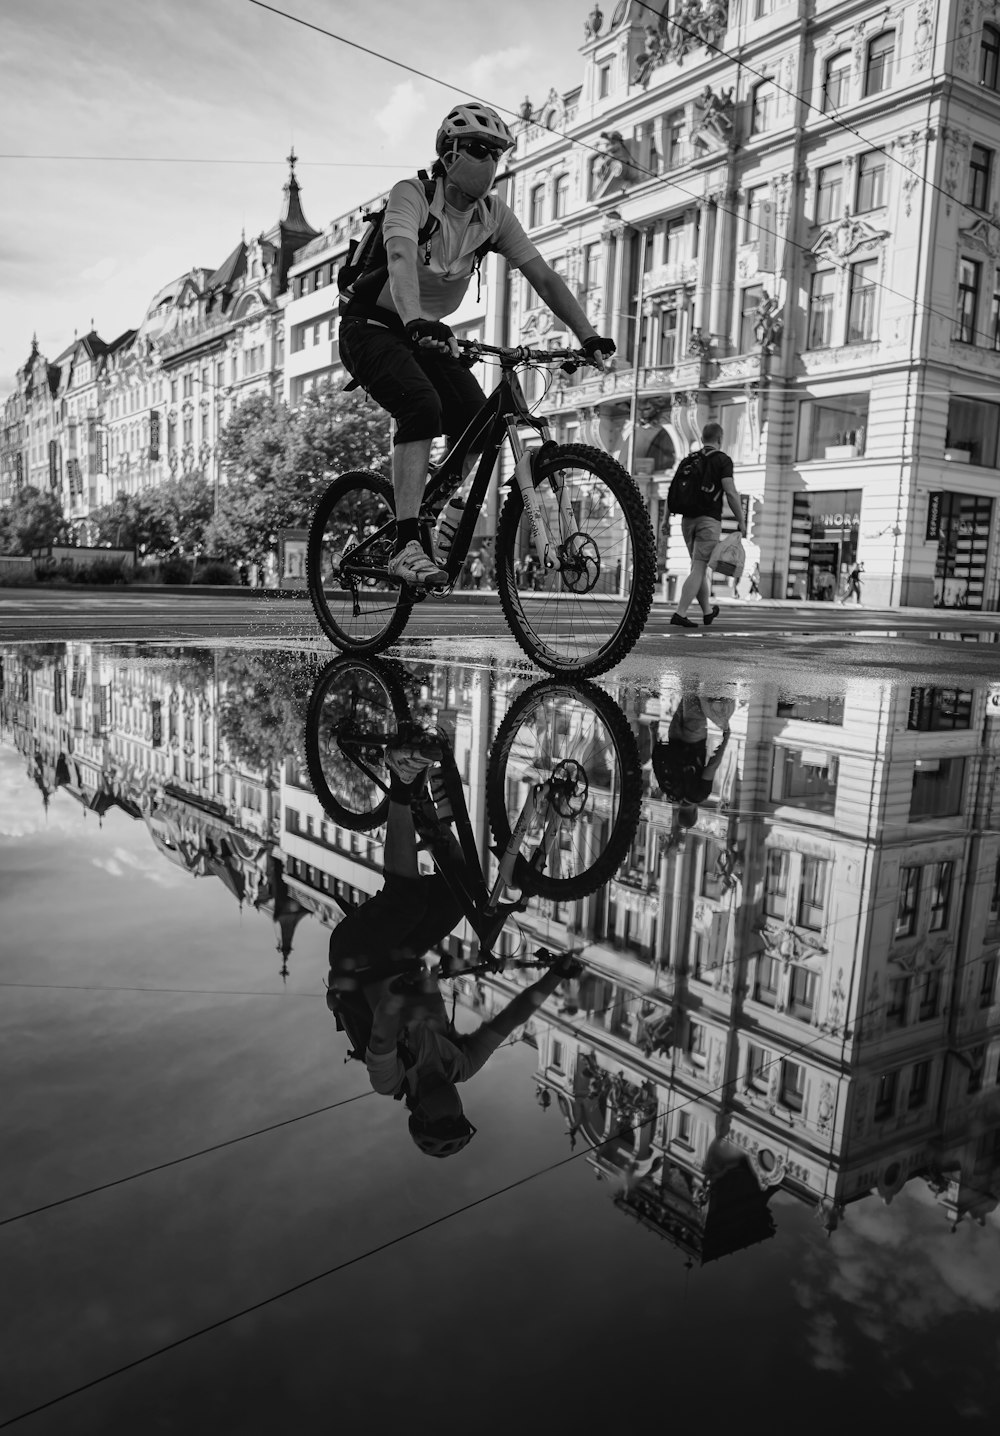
{"points": [[263, 706], [277, 460], [33, 519], [169, 518]]}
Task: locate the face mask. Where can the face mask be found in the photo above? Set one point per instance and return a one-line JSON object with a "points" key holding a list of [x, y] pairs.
{"points": [[473, 177]]}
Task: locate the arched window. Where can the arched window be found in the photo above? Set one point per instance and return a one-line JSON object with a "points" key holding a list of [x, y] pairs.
{"points": [[989, 58], [763, 105], [537, 206], [878, 72], [836, 78], [562, 196]]}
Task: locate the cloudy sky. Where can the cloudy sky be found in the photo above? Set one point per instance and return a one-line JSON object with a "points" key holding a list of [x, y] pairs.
{"points": [[191, 106]]}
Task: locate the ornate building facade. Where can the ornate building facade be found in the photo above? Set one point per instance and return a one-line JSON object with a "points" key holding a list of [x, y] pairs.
{"points": [[802, 244]]}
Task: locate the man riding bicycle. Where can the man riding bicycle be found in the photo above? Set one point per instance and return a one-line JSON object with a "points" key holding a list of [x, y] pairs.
{"points": [[393, 340]]}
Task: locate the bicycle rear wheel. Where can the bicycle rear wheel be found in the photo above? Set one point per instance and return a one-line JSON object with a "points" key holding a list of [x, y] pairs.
{"points": [[351, 536], [593, 606], [578, 732], [355, 708]]}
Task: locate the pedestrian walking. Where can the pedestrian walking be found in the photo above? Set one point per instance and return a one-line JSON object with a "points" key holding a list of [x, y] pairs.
{"points": [[477, 570], [854, 583], [696, 492]]}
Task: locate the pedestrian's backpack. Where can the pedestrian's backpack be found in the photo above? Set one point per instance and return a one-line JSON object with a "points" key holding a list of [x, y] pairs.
{"points": [[695, 490], [366, 268]]}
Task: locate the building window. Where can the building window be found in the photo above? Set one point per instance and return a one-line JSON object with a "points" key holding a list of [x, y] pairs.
{"points": [[804, 779], [995, 314], [675, 133], [937, 788], [697, 1046], [562, 196], [812, 893], [204, 427], [885, 1096], [974, 426], [316, 335], [537, 206], [836, 79], [977, 1056], [173, 391], [768, 977], [995, 895], [758, 1063], [897, 1002], [668, 337], [988, 982], [940, 885], [862, 302], [821, 296], [603, 82], [920, 1080], [871, 181], [188, 429], [909, 898], [811, 710], [751, 217], [684, 1128], [220, 376], [836, 424], [187, 386], [674, 234], [591, 266], [989, 58], [980, 166], [969, 271], [802, 993], [929, 996], [878, 71], [939, 710], [750, 301], [792, 1089], [776, 883], [557, 1055], [763, 102], [829, 193]]}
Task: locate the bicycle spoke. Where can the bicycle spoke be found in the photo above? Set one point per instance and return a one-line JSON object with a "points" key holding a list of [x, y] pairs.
{"points": [[350, 544]]}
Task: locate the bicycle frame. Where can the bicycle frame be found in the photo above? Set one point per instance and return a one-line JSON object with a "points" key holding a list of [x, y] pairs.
{"points": [[503, 414]]}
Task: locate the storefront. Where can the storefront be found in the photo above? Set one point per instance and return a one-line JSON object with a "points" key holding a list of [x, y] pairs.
{"points": [[824, 544], [961, 525]]}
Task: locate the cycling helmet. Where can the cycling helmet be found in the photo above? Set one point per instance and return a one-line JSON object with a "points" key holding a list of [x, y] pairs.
{"points": [[442, 1138], [476, 121]]}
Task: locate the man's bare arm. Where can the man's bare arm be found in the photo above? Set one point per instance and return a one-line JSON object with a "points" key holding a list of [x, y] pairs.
{"points": [[403, 283], [735, 504]]}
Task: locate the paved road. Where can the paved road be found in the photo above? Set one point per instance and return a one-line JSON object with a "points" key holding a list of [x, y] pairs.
{"points": [[945, 646]]}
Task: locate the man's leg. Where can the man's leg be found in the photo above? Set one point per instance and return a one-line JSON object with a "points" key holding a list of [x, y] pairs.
{"points": [[696, 581], [409, 476]]}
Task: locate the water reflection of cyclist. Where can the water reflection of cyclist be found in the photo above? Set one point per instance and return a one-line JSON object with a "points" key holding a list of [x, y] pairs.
{"points": [[681, 765], [412, 1049]]}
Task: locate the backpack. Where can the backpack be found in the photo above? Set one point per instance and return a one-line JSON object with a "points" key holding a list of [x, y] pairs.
{"points": [[694, 489], [366, 267]]}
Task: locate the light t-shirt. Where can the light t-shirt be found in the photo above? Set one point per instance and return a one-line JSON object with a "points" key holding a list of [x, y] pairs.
{"points": [[457, 1058], [453, 245]]}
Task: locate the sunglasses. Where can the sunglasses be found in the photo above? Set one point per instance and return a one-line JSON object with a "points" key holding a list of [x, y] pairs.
{"points": [[479, 150]]}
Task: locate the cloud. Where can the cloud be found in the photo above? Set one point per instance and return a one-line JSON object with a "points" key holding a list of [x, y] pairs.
{"points": [[108, 865], [102, 271], [490, 75], [403, 112], [145, 864]]}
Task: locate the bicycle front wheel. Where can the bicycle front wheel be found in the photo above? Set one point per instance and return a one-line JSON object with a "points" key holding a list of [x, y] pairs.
{"points": [[578, 735], [590, 609], [356, 707], [351, 539]]}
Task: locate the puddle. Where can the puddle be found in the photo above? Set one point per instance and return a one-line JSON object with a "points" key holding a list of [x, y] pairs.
{"points": [[758, 1126]]}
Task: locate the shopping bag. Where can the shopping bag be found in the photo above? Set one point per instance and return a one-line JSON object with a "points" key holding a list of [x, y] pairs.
{"points": [[729, 557]]}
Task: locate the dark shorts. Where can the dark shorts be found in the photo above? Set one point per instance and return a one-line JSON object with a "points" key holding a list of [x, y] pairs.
{"points": [[426, 393], [701, 535], [413, 913]]}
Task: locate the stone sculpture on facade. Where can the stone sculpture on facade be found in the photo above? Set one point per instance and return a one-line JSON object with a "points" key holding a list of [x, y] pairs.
{"points": [[768, 323], [713, 115], [614, 164], [696, 23], [592, 24]]}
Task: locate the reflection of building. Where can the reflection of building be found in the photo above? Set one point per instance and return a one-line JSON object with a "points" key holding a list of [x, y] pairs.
{"points": [[147, 738], [802, 244]]}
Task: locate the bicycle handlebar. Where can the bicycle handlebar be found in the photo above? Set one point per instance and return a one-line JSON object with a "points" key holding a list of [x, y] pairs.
{"points": [[523, 354]]}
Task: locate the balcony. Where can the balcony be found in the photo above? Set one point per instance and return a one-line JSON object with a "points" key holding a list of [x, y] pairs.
{"points": [[669, 276]]}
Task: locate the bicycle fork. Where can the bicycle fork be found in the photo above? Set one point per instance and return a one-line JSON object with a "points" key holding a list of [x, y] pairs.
{"points": [[546, 545]]}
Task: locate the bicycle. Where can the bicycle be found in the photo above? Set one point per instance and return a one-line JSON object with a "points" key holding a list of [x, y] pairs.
{"points": [[573, 505], [576, 786]]}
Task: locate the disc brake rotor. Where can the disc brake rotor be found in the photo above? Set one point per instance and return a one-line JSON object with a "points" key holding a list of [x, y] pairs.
{"points": [[579, 563], [570, 788]]}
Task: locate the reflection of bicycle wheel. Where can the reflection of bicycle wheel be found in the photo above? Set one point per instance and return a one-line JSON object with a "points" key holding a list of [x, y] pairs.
{"points": [[356, 706], [577, 735]]}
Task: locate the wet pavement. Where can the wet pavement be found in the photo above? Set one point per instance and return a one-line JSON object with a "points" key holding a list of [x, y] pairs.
{"points": [[739, 1161]]}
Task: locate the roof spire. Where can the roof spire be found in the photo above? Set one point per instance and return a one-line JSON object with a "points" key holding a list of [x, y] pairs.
{"points": [[291, 214]]}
